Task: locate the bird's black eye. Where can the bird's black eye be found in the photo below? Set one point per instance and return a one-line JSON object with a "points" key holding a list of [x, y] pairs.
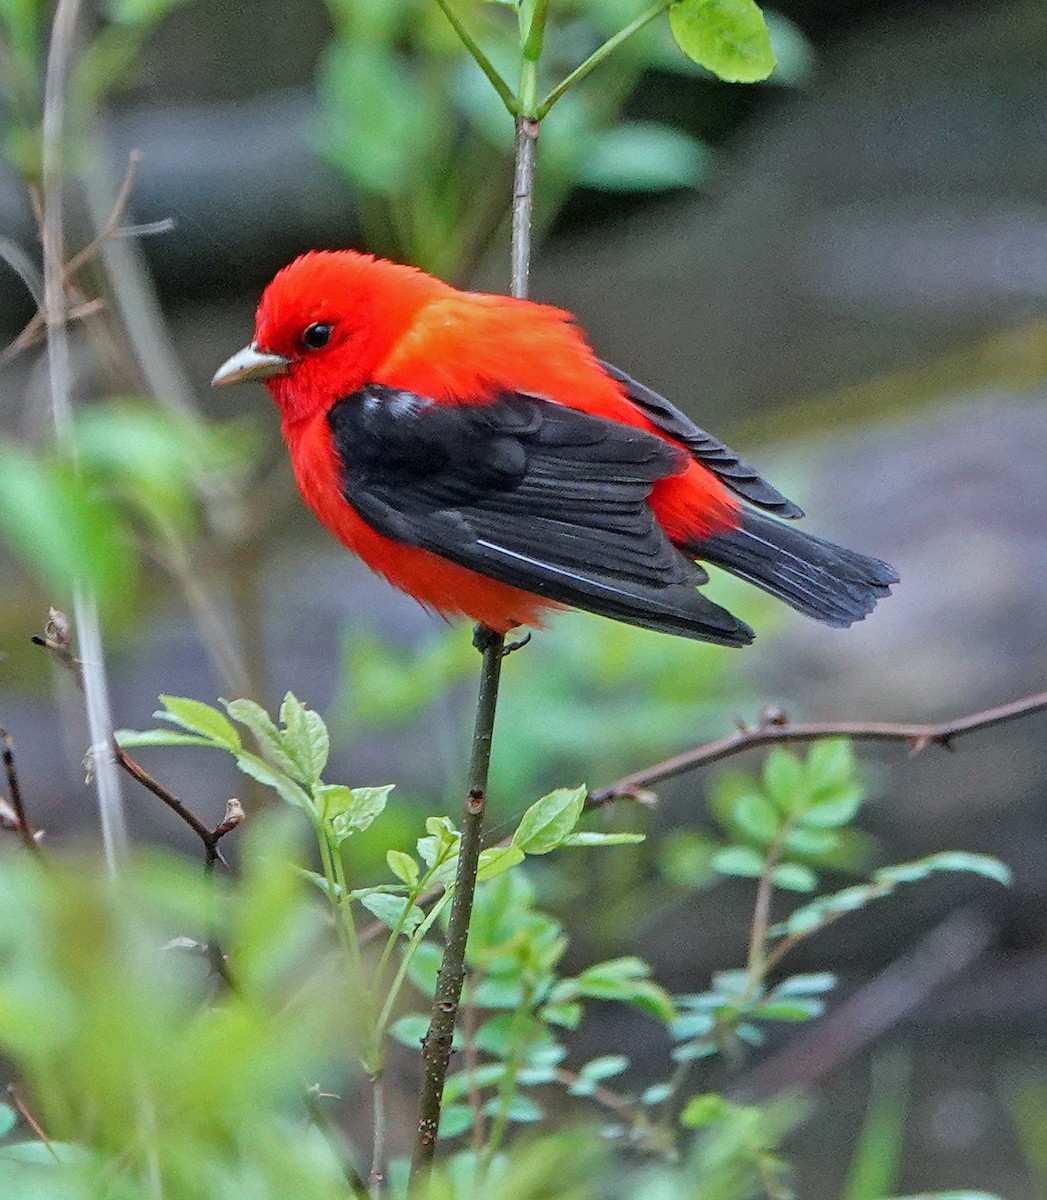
{"points": [[316, 336]]}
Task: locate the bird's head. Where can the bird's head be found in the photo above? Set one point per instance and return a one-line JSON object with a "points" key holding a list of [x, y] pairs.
{"points": [[324, 325]]}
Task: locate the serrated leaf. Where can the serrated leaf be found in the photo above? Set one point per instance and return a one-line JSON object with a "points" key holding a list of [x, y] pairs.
{"points": [[200, 718], [739, 860], [160, 737], [403, 866], [728, 37], [588, 837], [548, 821], [253, 766], [393, 911], [261, 724], [350, 810], [305, 737]]}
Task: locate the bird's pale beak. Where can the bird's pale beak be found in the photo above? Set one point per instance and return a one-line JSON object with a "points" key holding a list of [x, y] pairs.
{"points": [[250, 363]]}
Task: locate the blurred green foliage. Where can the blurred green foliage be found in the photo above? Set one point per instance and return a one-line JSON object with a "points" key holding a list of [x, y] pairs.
{"points": [[407, 115], [131, 489]]}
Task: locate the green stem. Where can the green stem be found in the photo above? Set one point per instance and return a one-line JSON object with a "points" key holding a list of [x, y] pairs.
{"points": [[401, 974], [507, 1086], [505, 92], [598, 55]]}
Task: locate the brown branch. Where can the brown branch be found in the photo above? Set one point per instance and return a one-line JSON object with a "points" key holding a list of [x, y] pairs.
{"points": [[774, 728], [30, 1120], [658, 1140], [56, 639], [21, 820]]}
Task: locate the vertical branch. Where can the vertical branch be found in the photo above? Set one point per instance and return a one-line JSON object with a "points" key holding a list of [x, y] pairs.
{"points": [[85, 612], [436, 1047]]}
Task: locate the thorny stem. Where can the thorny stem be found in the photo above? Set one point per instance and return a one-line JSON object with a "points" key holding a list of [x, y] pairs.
{"points": [[775, 728], [25, 829]]}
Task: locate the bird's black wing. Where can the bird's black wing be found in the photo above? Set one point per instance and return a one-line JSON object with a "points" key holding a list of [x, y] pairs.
{"points": [[531, 493], [746, 481]]}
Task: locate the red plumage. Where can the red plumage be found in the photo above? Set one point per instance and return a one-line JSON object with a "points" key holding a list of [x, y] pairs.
{"points": [[405, 345]]}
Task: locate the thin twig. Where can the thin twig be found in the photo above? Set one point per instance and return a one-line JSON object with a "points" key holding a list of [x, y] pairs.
{"points": [[436, 1047], [31, 1121], [644, 1131], [777, 729], [25, 829], [320, 1120]]}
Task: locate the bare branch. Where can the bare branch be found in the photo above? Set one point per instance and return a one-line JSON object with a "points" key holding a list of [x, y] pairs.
{"points": [[774, 728]]}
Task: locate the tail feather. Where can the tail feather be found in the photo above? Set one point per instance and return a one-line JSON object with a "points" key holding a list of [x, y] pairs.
{"points": [[816, 577]]}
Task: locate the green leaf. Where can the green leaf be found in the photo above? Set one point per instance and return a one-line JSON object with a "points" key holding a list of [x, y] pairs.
{"points": [[605, 1067], [269, 739], [403, 866], [305, 737], [783, 776], [816, 984], [393, 910], [546, 823], [200, 718], [496, 860], [588, 837], [838, 808], [728, 37], [567, 1014], [704, 1110], [462, 1082], [831, 763], [410, 1030], [424, 967], [455, 1119], [160, 737], [521, 1109], [8, 1119], [739, 860], [794, 877], [350, 810], [251, 765], [756, 817], [798, 1009], [641, 156]]}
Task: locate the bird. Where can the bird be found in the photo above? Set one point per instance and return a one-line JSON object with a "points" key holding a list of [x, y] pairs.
{"points": [[474, 450]]}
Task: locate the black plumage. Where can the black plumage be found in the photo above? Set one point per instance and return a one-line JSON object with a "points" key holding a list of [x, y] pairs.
{"points": [[554, 501]]}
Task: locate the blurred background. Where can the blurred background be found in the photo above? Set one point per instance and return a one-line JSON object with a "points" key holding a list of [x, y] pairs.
{"points": [[842, 271]]}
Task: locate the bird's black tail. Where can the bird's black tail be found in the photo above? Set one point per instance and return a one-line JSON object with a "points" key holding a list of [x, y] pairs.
{"points": [[822, 580]]}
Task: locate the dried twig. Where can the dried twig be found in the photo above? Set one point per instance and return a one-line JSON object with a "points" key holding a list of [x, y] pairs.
{"points": [[30, 1120], [775, 728]]}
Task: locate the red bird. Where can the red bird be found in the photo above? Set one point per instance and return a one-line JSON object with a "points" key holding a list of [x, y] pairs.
{"points": [[474, 451]]}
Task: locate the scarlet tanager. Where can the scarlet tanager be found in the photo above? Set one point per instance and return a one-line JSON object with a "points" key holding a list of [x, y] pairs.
{"points": [[474, 451]]}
